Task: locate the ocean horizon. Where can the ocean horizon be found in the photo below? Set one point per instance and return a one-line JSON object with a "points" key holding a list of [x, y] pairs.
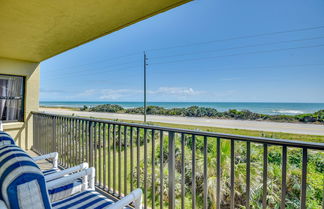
{"points": [[271, 108]]}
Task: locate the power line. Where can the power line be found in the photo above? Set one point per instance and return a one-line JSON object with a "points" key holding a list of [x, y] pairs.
{"points": [[98, 61], [233, 38], [86, 81], [239, 54], [239, 37], [241, 47], [226, 67], [89, 71], [145, 65], [246, 67]]}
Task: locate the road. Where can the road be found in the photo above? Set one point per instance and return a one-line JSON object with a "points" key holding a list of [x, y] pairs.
{"points": [[296, 128]]}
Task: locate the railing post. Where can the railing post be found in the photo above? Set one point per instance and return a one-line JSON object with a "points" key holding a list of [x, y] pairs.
{"points": [[248, 173], [171, 166], [205, 173], [304, 180], [284, 177], [218, 171], [232, 175], [193, 175], [90, 144], [54, 134], [265, 176], [34, 132]]}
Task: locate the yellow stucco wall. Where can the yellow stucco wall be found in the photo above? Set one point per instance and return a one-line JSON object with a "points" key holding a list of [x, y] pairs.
{"points": [[22, 131]]}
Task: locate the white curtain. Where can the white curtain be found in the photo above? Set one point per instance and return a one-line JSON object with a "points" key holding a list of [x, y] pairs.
{"points": [[10, 90], [3, 94]]}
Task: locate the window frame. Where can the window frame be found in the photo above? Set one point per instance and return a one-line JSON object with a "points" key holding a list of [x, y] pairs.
{"points": [[23, 105]]}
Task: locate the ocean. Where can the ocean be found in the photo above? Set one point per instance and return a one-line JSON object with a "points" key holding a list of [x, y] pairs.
{"points": [[258, 107]]}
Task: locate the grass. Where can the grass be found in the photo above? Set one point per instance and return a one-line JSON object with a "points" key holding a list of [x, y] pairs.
{"points": [[244, 132]]}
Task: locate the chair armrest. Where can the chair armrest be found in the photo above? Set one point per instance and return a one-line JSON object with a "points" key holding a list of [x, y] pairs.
{"points": [[64, 172], [135, 196], [3, 205], [53, 156], [88, 175]]}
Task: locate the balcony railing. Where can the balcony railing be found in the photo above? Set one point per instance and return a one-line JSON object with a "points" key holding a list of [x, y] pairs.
{"points": [[179, 168]]}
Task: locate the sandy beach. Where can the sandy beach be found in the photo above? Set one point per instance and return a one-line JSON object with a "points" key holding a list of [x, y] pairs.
{"points": [[296, 128]]}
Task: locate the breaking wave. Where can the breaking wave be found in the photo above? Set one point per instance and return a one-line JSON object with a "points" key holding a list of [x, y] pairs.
{"points": [[290, 112]]}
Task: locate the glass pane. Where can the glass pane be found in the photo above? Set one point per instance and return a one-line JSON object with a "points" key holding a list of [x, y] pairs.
{"points": [[11, 97]]}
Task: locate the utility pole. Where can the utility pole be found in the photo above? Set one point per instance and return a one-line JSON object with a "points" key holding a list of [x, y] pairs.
{"points": [[145, 64]]}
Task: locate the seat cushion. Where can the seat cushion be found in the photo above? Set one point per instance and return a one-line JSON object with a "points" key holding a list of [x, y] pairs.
{"points": [[87, 199], [50, 171], [66, 190], [63, 191]]}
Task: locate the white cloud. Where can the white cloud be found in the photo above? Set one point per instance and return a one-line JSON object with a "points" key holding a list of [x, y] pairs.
{"points": [[164, 93], [176, 91], [108, 94], [114, 94], [52, 91], [88, 93]]}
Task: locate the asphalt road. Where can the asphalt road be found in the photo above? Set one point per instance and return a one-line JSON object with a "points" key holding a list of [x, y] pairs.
{"points": [[296, 128]]}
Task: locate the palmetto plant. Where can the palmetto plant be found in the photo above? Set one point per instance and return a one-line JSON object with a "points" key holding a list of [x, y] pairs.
{"points": [[315, 184]]}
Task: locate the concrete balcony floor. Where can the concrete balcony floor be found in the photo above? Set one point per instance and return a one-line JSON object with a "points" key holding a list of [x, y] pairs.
{"points": [[43, 164]]}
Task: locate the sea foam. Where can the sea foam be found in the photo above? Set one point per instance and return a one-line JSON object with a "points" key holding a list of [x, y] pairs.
{"points": [[288, 111]]}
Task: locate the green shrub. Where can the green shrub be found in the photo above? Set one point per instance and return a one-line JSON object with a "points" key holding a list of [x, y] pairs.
{"points": [[106, 108], [196, 111], [84, 108], [136, 110]]}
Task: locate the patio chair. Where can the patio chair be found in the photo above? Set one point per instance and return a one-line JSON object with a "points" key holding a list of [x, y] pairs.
{"points": [[23, 185], [58, 192], [6, 139]]}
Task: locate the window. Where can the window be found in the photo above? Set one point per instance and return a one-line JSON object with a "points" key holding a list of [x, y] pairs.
{"points": [[11, 98]]}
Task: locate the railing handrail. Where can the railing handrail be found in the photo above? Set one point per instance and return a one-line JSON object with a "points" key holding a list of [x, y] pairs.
{"points": [[262, 140]]}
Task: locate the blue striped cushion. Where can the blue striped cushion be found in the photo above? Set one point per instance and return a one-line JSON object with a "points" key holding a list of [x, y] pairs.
{"points": [[50, 171], [63, 191], [87, 199], [6, 139], [66, 190], [22, 183], [2, 132]]}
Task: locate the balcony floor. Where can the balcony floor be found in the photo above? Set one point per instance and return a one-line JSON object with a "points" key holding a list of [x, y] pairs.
{"points": [[43, 164]]}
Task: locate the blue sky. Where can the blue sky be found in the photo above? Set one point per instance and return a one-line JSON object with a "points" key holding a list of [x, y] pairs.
{"points": [[206, 50]]}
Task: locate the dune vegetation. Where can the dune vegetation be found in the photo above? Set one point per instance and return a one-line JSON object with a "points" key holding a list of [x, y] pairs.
{"points": [[196, 111], [315, 172]]}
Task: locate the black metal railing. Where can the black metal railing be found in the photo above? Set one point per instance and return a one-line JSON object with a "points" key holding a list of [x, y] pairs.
{"points": [[179, 168]]}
